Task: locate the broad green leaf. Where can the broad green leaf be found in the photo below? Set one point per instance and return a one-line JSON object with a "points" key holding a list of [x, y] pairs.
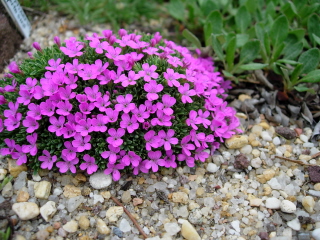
{"points": [[296, 73], [312, 77], [303, 88], [251, 5], [215, 18], [300, 3], [227, 74], [231, 50], [291, 51], [310, 60], [176, 9], [266, 43], [242, 39], [316, 39], [259, 29], [249, 51], [217, 48], [191, 37], [289, 9], [243, 19], [270, 10], [279, 30], [207, 32], [314, 27], [207, 6], [253, 66]]}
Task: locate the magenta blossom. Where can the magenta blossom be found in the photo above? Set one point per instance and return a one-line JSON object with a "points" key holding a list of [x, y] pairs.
{"points": [[189, 160], [151, 140], [73, 48], [141, 113], [115, 137], [13, 122], [11, 146], [128, 123], [152, 88], [31, 124], [168, 161], [148, 72], [54, 65], [90, 164], [14, 68], [166, 139], [57, 125], [99, 123], [193, 119], [47, 160], [81, 143], [66, 165], [167, 103], [92, 93], [153, 163], [131, 158], [186, 146], [19, 155], [111, 154], [70, 152], [186, 93], [124, 103], [162, 119], [114, 169], [172, 77]]}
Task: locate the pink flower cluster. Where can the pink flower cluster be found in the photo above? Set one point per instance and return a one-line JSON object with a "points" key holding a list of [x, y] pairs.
{"points": [[107, 105]]}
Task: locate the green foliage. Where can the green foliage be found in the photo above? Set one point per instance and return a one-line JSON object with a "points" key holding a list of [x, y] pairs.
{"points": [[254, 34], [5, 181], [115, 12], [5, 235]]}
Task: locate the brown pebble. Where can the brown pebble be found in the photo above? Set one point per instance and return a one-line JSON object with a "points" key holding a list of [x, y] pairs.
{"points": [[241, 162], [314, 173], [286, 132], [137, 201], [298, 131], [56, 225], [80, 177]]}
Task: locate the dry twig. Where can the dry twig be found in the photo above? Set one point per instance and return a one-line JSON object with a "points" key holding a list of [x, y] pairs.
{"points": [[295, 161], [130, 216]]}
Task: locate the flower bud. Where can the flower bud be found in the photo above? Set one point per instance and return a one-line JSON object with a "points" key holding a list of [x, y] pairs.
{"points": [[57, 41], [30, 55], [36, 45], [122, 33], [14, 68]]}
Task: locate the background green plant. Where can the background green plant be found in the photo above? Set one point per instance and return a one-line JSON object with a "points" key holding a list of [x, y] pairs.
{"points": [[278, 35]]}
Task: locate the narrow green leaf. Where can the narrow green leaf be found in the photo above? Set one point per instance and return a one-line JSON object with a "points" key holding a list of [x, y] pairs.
{"points": [[191, 37], [243, 19], [277, 51], [231, 50], [259, 29], [270, 10], [296, 73], [279, 30], [227, 74], [207, 32], [286, 61], [242, 39], [312, 77], [249, 51], [310, 60], [251, 5], [176, 9], [291, 51], [266, 43], [289, 9], [215, 18], [217, 48], [314, 27], [253, 66]]}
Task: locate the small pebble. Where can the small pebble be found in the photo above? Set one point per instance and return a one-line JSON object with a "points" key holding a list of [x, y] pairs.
{"points": [[316, 234], [288, 206], [273, 203]]}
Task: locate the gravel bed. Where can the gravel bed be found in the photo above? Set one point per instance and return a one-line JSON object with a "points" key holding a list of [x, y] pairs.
{"points": [[248, 188]]}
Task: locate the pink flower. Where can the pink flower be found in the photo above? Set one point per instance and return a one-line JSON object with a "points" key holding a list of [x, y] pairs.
{"points": [[186, 93], [151, 140], [81, 143], [106, 77], [111, 154], [73, 48], [11, 146], [92, 93], [13, 108], [102, 103], [162, 119], [168, 102], [64, 108], [57, 125], [200, 154], [166, 139], [70, 152], [54, 65], [193, 119], [89, 71], [153, 163], [47, 160], [172, 77], [47, 108], [128, 123], [90, 164], [32, 148], [13, 122], [74, 67], [174, 61], [148, 72], [19, 155], [131, 158], [36, 45], [66, 165], [112, 115], [115, 137], [14, 68], [186, 146], [99, 123], [66, 93], [95, 43], [35, 111], [25, 97], [30, 84], [124, 103], [203, 117], [168, 161], [30, 123], [84, 126], [131, 79], [189, 160], [140, 113], [152, 88], [114, 53], [114, 169]]}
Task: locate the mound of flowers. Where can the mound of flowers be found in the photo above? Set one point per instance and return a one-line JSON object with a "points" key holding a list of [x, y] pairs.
{"points": [[117, 102]]}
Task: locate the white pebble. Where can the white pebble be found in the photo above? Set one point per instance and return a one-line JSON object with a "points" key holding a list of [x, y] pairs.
{"points": [[276, 141], [308, 145], [316, 234], [304, 138], [236, 225], [212, 168], [266, 136], [294, 224], [273, 203], [256, 162], [274, 184], [247, 149], [288, 206]]}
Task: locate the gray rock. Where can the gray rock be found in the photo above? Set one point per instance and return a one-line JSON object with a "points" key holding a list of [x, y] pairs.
{"points": [[7, 190], [20, 181], [100, 180], [74, 203]]}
